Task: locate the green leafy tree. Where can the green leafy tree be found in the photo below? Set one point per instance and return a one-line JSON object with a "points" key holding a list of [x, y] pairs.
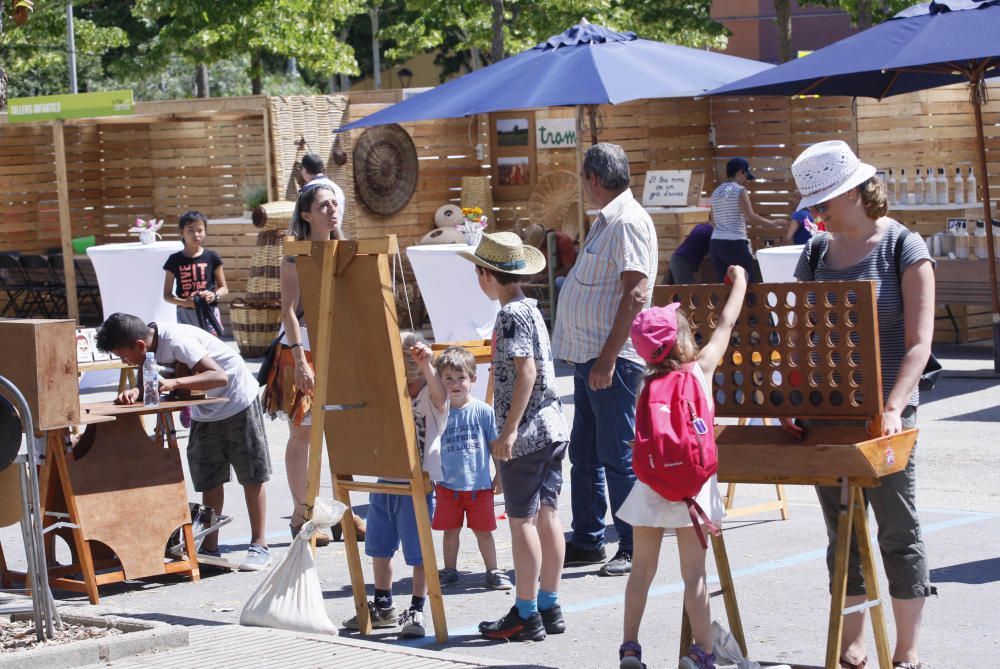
{"points": [[33, 56], [865, 13], [205, 33], [472, 33]]}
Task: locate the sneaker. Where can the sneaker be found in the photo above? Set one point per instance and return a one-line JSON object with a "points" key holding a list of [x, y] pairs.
{"points": [[697, 659], [186, 417], [498, 580], [553, 621], [258, 558], [619, 565], [212, 554], [577, 556], [447, 576], [380, 617], [412, 622], [513, 627]]}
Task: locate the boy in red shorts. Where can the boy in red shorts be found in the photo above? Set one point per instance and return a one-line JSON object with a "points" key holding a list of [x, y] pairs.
{"points": [[465, 491]]}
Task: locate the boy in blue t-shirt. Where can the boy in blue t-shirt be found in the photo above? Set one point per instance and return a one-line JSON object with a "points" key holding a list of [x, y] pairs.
{"points": [[466, 489]]}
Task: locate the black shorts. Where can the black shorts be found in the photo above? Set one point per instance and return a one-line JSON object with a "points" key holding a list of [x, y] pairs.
{"points": [[238, 442], [533, 479]]}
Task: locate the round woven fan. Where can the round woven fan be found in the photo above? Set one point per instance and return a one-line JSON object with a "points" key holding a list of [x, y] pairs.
{"points": [[385, 168], [555, 202]]}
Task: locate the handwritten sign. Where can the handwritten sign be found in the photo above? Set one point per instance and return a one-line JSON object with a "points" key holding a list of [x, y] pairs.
{"points": [[666, 188], [555, 133]]}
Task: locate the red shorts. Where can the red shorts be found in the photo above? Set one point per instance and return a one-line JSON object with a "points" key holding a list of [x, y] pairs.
{"points": [[451, 506]]}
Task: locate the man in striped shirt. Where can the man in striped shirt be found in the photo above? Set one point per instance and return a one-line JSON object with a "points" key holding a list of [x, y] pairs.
{"points": [[610, 283]]}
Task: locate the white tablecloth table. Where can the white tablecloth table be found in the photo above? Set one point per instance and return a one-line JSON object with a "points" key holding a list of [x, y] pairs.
{"points": [[458, 309], [130, 277], [777, 263]]}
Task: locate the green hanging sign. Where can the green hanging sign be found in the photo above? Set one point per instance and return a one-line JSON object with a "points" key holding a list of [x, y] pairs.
{"points": [[79, 105]]}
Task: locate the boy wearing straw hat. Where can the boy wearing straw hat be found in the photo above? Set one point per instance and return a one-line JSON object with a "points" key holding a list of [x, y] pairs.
{"points": [[533, 436]]}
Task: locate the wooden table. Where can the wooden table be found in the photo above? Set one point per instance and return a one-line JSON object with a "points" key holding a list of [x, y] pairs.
{"points": [[121, 494], [962, 281], [126, 377]]}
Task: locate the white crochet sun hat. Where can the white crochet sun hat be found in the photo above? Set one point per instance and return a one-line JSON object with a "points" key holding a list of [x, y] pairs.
{"points": [[827, 169]]}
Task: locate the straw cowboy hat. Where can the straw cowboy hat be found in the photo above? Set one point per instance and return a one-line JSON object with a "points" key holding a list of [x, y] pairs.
{"points": [[827, 169], [505, 252]]}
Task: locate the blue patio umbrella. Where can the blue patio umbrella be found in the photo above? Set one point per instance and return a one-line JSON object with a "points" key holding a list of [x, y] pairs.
{"points": [[924, 46], [586, 65]]}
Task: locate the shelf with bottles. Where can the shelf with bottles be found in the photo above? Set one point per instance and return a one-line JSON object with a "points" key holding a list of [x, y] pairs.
{"points": [[930, 188]]}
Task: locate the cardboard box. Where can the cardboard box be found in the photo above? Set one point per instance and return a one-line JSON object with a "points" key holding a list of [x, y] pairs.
{"points": [[39, 357]]}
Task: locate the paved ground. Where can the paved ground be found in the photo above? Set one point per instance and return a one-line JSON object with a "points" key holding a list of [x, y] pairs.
{"points": [[779, 570]]}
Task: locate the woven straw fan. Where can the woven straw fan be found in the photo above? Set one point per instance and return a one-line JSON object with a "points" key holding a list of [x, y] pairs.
{"points": [[555, 202]]}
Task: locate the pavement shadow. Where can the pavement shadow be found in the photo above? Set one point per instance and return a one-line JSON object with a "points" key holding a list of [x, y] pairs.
{"points": [[979, 572], [185, 621], [476, 641], [987, 415]]}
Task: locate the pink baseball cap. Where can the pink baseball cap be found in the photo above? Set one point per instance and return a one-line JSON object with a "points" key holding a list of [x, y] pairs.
{"points": [[654, 332]]}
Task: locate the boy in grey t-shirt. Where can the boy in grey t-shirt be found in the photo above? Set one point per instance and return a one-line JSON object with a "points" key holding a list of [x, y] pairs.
{"points": [[533, 436], [223, 435]]}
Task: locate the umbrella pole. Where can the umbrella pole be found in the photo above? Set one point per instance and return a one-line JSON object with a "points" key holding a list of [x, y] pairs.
{"points": [[984, 181], [592, 113]]}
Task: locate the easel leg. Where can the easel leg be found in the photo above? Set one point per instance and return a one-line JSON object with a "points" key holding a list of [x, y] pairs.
{"points": [[422, 513], [353, 557], [728, 591], [192, 552], [839, 576], [687, 636], [54, 454], [877, 606], [782, 501], [730, 495]]}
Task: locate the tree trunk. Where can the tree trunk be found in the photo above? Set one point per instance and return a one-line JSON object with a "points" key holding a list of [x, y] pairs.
{"points": [[475, 59], [783, 17], [256, 72], [345, 82], [201, 80], [865, 14], [496, 49], [3, 88], [373, 13]]}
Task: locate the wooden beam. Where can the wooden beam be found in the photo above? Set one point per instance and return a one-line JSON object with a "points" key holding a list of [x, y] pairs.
{"points": [[65, 229]]}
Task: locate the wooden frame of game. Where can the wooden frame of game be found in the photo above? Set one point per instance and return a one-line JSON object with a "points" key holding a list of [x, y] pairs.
{"points": [[360, 401], [810, 351]]}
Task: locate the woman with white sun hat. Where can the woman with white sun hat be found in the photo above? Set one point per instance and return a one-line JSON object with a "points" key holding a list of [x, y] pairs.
{"points": [[860, 243]]}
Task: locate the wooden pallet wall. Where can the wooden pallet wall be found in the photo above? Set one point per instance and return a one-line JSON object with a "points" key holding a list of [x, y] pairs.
{"points": [[770, 132], [930, 129]]}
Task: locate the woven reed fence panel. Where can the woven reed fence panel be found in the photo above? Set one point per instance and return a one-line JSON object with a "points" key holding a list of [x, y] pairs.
{"points": [[313, 118], [770, 132]]}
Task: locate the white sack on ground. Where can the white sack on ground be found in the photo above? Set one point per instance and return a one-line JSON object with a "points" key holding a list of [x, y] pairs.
{"points": [[728, 654], [291, 597]]}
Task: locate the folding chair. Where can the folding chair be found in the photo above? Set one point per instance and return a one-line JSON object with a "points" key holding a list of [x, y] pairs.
{"points": [[21, 298], [85, 291], [14, 290], [45, 284]]}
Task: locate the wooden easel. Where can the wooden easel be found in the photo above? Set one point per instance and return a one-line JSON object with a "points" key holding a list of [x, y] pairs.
{"points": [[121, 495], [806, 350], [360, 400]]}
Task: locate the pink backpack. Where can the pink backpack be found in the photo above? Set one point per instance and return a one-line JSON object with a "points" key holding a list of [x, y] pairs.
{"points": [[674, 451]]}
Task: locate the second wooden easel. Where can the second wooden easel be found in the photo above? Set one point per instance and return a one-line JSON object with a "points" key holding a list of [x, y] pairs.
{"points": [[360, 402]]}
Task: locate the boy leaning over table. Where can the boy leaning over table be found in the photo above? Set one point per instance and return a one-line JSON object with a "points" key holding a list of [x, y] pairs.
{"points": [[223, 435]]}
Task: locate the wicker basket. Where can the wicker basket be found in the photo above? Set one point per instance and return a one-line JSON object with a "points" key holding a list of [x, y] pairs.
{"points": [[275, 215], [476, 193], [264, 284], [254, 327]]}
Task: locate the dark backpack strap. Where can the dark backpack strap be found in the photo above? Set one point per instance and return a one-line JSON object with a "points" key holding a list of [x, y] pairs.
{"points": [[897, 253], [814, 254]]}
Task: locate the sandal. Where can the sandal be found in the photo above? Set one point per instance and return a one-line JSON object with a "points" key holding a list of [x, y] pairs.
{"points": [[844, 664], [907, 665], [633, 661]]}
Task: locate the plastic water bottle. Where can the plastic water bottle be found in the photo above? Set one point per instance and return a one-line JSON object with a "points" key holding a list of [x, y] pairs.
{"points": [[973, 195], [959, 190], [918, 188], [893, 190], [942, 187], [150, 382], [930, 188]]}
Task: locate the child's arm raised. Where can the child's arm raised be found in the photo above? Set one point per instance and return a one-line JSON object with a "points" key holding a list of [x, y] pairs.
{"points": [[712, 352], [525, 373], [424, 358]]}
